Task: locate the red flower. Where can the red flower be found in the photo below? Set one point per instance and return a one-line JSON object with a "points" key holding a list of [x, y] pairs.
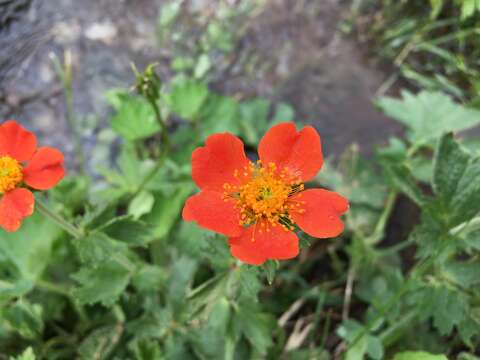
{"points": [[258, 205], [22, 163]]}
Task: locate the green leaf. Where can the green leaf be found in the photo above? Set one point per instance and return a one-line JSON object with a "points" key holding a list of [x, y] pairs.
{"points": [[26, 355], [141, 204], [450, 163], [168, 13], [202, 66], [149, 278], [447, 307], [129, 231], [167, 209], [428, 115], [247, 277], [270, 268], [254, 119], [23, 317], [97, 247], [29, 249], [145, 350], [135, 119], [210, 339], [187, 97], [350, 330], [220, 114], [466, 201], [283, 112], [102, 284], [256, 326], [418, 355], [436, 6], [401, 177], [100, 342], [154, 323], [181, 278], [468, 8], [463, 273]]}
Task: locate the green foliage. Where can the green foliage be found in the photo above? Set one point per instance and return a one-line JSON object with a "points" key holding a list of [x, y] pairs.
{"points": [[26, 355], [134, 119], [434, 47], [417, 111], [418, 355]]}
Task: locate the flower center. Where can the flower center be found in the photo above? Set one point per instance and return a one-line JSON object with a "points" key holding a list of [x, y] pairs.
{"points": [[264, 196], [10, 173]]}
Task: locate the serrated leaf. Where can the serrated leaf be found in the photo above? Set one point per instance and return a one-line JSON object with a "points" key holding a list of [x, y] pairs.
{"points": [[418, 355], [447, 307], [428, 115], [24, 318], [466, 201], [187, 97], [250, 285], [450, 162], [256, 326], [135, 119], [129, 231], [97, 247], [102, 284]]}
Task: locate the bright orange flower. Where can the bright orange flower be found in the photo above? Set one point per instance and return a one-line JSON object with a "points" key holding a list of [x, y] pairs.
{"points": [[258, 205], [24, 165]]}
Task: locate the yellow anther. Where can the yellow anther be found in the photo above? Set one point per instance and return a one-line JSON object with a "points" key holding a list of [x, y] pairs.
{"points": [[10, 173]]}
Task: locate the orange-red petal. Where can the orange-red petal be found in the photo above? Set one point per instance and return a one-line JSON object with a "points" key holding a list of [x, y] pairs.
{"points": [[300, 152], [322, 210], [211, 212], [277, 243], [16, 141], [45, 169], [14, 206], [214, 164]]}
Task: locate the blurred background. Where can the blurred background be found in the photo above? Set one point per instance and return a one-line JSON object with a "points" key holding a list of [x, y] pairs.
{"points": [[319, 57]]}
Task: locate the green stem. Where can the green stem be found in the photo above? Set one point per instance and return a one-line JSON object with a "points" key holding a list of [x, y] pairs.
{"points": [[65, 225], [64, 72], [54, 288], [166, 148]]}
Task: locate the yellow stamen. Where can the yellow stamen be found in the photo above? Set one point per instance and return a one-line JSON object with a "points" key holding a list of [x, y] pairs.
{"points": [[10, 173], [263, 196]]}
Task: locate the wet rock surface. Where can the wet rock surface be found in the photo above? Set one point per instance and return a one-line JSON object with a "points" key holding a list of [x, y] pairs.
{"points": [[292, 52]]}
